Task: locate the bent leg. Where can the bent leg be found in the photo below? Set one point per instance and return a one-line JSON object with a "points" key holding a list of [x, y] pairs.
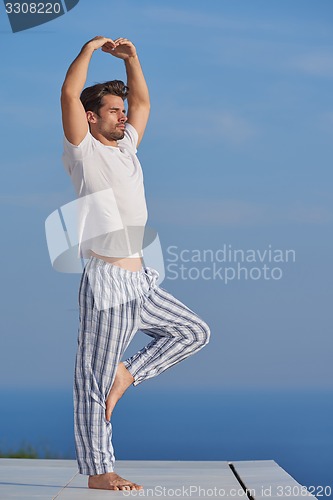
{"points": [[178, 332]]}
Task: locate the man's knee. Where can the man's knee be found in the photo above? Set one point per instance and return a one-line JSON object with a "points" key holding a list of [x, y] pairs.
{"points": [[202, 334], [205, 337]]}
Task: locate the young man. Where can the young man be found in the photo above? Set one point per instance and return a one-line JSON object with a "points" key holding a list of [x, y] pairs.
{"points": [[118, 294]]}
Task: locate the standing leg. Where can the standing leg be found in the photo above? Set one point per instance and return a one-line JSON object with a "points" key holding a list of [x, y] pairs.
{"points": [[177, 333], [103, 337]]}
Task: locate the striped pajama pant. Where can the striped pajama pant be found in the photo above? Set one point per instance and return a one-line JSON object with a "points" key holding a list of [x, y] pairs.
{"points": [[114, 304]]}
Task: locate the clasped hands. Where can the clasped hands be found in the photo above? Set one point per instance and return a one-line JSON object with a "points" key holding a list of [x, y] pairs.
{"points": [[121, 47]]}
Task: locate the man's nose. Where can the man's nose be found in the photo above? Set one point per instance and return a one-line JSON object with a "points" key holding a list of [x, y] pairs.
{"points": [[123, 118]]}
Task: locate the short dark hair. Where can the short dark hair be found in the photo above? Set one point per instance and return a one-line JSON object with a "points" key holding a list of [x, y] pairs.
{"points": [[91, 97]]}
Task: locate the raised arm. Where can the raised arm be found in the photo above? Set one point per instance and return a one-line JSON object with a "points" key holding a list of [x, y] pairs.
{"points": [[138, 96], [74, 117]]}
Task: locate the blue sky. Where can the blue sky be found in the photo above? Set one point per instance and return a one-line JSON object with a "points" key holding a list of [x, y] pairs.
{"points": [[237, 152]]}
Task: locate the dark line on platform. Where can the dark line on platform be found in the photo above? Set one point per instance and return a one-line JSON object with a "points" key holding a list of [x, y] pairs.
{"points": [[239, 479]]}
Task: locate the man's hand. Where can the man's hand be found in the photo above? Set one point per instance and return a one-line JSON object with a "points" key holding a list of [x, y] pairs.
{"points": [[121, 47], [98, 42]]}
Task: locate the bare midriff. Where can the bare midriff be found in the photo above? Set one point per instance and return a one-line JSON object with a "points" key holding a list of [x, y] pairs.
{"points": [[129, 263]]}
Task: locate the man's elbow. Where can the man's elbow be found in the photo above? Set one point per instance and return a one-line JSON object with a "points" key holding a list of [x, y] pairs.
{"points": [[144, 108], [139, 104], [68, 93]]}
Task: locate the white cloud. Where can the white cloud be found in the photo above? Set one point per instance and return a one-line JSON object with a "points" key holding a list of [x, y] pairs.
{"points": [[233, 128], [316, 64], [209, 212], [275, 45], [50, 201], [186, 17], [326, 122], [199, 123], [308, 214], [235, 23]]}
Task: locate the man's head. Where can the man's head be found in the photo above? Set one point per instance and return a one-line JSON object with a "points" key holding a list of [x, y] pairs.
{"points": [[104, 106]]}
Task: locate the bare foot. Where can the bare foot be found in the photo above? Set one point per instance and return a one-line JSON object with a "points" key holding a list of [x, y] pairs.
{"points": [[121, 383], [111, 481]]}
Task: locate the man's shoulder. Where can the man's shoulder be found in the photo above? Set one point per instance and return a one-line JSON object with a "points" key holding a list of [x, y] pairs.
{"points": [[68, 146], [74, 154]]}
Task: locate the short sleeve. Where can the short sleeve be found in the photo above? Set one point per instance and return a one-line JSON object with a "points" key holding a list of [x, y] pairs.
{"points": [[73, 154], [130, 139]]}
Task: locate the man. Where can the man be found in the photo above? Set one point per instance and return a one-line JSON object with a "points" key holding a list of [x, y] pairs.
{"points": [[118, 294]]}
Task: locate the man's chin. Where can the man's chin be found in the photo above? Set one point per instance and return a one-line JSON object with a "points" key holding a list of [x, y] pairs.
{"points": [[115, 136], [119, 135]]}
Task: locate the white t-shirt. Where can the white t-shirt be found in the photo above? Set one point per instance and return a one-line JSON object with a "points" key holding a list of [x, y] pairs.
{"points": [[108, 180]]}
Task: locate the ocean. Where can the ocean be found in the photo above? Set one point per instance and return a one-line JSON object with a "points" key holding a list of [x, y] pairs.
{"points": [[293, 428]]}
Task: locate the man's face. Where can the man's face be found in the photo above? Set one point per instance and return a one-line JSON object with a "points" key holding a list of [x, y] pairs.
{"points": [[112, 118]]}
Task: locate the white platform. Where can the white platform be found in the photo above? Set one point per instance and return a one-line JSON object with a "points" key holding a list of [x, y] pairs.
{"points": [[59, 479]]}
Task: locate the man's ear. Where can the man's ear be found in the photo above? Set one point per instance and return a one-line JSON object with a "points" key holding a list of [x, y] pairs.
{"points": [[91, 117]]}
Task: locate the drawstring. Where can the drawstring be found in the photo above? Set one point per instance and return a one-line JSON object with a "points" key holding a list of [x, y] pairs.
{"points": [[152, 277]]}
